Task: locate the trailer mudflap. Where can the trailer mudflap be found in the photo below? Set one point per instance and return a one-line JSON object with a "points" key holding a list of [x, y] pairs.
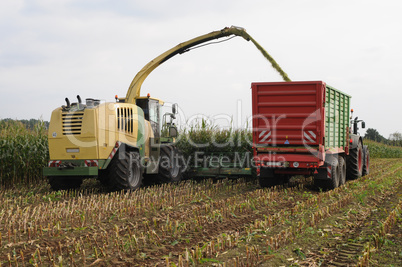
{"points": [[322, 174], [71, 171]]}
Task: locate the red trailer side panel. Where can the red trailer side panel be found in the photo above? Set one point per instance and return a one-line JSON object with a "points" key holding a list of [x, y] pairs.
{"points": [[288, 113]]}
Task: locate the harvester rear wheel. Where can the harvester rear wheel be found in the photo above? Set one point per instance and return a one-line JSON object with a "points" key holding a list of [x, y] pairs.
{"points": [[366, 162], [354, 164], [64, 182], [170, 165], [125, 171]]}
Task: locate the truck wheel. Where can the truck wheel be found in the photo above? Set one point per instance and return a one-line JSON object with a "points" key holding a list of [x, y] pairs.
{"points": [[354, 164], [342, 171], [332, 178], [125, 173], [366, 162], [64, 182], [170, 165]]}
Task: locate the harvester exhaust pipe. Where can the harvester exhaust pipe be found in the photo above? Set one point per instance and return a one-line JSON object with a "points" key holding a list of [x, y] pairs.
{"points": [[79, 99], [68, 102]]}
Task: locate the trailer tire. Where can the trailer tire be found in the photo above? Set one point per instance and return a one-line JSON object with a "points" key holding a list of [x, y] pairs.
{"points": [[354, 165], [342, 171], [366, 162], [125, 172], [331, 182], [64, 182], [170, 165]]}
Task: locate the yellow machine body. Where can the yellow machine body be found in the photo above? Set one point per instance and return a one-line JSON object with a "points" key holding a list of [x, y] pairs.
{"points": [[92, 133]]}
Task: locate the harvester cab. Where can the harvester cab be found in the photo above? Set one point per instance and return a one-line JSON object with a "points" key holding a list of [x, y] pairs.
{"points": [[152, 110]]}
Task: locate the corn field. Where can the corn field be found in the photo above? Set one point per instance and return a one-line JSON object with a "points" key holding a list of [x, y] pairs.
{"points": [[23, 152], [378, 150]]}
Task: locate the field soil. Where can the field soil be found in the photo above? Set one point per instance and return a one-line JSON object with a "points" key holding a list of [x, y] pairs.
{"points": [[230, 222]]}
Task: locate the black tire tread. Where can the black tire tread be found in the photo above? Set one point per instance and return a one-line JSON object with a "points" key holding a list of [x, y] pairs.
{"points": [[352, 163], [366, 161], [165, 175], [119, 171], [342, 171]]}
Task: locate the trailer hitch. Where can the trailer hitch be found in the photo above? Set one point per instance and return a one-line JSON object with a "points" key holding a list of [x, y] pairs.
{"points": [[67, 166]]}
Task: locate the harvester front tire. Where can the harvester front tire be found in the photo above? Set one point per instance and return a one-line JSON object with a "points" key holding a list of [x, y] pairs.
{"points": [[354, 164], [170, 165], [125, 171], [366, 162], [64, 182]]}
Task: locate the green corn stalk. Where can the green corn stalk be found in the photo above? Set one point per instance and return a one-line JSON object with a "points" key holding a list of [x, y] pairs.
{"points": [[23, 153]]}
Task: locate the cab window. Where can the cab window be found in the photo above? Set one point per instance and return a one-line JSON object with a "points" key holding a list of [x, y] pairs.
{"points": [[153, 111]]}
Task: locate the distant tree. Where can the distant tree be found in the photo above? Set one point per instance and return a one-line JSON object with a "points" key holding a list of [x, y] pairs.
{"points": [[395, 139], [373, 134]]}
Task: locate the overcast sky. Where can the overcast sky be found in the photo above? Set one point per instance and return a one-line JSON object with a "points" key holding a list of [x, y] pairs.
{"points": [[51, 49]]}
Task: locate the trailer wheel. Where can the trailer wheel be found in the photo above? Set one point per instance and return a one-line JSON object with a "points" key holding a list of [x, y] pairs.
{"points": [[332, 179], [64, 182], [342, 171], [366, 162], [354, 164], [125, 172], [170, 165]]}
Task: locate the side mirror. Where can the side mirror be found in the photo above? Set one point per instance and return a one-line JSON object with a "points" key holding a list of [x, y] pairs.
{"points": [[173, 131], [363, 124], [174, 108]]}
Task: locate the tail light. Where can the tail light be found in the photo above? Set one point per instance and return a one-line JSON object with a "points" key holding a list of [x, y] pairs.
{"points": [[54, 163], [91, 163]]}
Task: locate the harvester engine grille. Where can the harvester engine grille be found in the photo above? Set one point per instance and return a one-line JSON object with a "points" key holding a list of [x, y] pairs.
{"points": [[125, 121], [72, 123]]}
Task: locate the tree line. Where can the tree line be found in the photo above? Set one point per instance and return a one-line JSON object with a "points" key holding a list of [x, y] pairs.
{"points": [[394, 139]]}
